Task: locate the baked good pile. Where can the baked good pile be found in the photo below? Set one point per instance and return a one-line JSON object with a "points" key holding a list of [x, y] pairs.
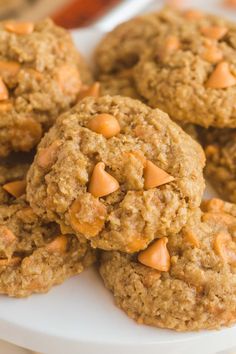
{"points": [[111, 172]]}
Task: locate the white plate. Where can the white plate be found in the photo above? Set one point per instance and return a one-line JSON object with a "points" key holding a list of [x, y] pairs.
{"points": [[80, 316]]}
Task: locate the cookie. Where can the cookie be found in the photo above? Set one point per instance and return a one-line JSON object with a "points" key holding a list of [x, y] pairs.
{"points": [[220, 146], [186, 282], [34, 256], [189, 70], [41, 74], [117, 172], [13, 171]]}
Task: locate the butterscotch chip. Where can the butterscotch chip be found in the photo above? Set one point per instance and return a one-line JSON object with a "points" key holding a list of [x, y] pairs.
{"points": [[211, 150], [120, 191], [214, 32], [93, 90], [36, 255], [104, 124], [215, 205], [87, 218], [170, 45], [58, 245], [41, 74], [155, 176], [16, 188], [212, 54], [193, 15], [9, 69], [47, 156], [156, 256], [186, 296], [191, 237], [212, 217], [221, 77], [19, 27], [5, 106], [137, 244], [3, 91], [101, 182]]}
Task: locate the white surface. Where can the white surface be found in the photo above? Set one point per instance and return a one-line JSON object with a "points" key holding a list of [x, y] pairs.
{"points": [[79, 317], [123, 12]]}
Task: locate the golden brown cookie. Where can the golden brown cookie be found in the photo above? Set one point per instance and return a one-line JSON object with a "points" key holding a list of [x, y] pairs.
{"points": [[116, 172], [189, 70], [41, 75], [34, 255], [186, 282]]}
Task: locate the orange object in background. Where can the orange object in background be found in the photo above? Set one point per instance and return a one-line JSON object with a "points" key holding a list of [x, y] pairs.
{"points": [[81, 13], [230, 3]]}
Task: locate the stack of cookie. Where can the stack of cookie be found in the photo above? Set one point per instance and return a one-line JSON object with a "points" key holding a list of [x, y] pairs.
{"points": [[184, 64], [113, 177]]}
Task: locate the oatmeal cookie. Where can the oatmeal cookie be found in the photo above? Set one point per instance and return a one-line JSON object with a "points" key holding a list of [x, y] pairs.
{"points": [[34, 256], [220, 149], [189, 70], [186, 282], [41, 74], [117, 172]]}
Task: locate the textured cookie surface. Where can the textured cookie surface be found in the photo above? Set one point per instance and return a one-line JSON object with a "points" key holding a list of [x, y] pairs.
{"points": [[198, 291], [62, 184], [33, 255], [189, 70], [41, 74], [220, 149]]}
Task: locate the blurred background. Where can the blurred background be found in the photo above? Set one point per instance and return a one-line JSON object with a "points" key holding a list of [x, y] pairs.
{"points": [[78, 13]]}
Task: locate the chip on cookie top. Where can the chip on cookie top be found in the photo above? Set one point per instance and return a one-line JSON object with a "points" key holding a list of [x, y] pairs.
{"points": [[117, 172], [34, 255], [197, 290], [189, 70], [41, 75]]}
